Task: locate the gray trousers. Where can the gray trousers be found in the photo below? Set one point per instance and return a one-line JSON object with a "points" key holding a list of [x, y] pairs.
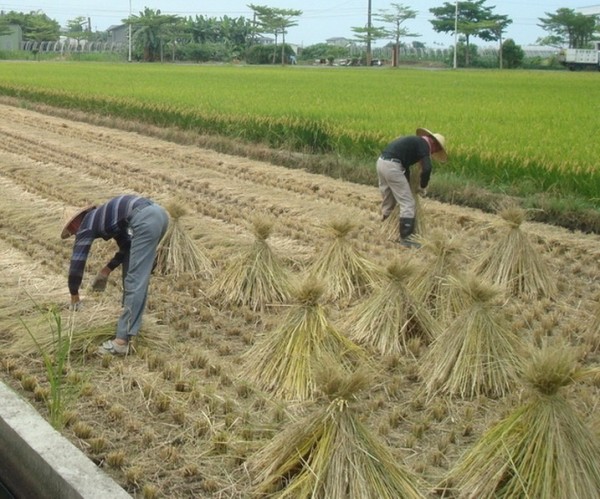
{"points": [[394, 189], [148, 226]]}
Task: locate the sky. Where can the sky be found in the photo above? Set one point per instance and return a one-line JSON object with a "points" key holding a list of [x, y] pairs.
{"points": [[320, 19]]}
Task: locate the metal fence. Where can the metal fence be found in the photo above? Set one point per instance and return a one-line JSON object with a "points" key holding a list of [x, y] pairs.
{"points": [[63, 46]]}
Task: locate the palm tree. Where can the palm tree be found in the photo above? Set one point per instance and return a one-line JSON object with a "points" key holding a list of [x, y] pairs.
{"points": [[150, 30]]}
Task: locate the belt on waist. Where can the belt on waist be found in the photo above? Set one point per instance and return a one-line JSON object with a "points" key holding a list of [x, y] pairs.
{"points": [[393, 160]]}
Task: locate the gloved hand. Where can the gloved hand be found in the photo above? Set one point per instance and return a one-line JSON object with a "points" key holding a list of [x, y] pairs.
{"points": [[76, 307], [99, 282], [75, 304]]}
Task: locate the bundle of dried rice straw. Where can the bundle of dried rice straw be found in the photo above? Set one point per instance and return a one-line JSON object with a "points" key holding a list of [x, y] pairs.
{"points": [[543, 449], [513, 262], [345, 271], [44, 328], [591, 329], [391, 225], [331, 453], [391, 315], [595, 322], [429, 283], [256, 276], [283, 361], [32, 321], [415, 187], [478, 353], [177, 253]]}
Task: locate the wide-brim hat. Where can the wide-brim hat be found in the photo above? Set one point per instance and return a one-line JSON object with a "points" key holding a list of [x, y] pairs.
{"points": [[74, 221], [441, 156]]}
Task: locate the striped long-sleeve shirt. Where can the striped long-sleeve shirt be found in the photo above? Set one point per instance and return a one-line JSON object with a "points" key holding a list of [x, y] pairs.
{"points": [[107, 221]]}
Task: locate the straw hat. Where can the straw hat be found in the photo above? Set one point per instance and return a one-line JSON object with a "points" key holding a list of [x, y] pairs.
{"points": [[73, 222], [441, 156]]}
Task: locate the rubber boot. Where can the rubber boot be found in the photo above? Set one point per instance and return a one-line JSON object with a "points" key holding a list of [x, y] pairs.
{"points": [[407, 228]]}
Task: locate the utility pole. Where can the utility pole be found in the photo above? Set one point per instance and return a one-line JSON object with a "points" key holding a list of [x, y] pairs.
{"points": [[455, 32], [369, 34], [129, 56]]}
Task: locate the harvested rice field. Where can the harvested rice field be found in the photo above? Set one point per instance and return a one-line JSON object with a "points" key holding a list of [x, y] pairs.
{"points": [[305, 354]]}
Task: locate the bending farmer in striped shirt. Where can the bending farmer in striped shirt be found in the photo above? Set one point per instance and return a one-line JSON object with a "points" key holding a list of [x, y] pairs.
{"points": [[137, 225]]}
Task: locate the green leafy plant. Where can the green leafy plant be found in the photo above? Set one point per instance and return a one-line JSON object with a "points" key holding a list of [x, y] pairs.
{"points": [[55, 363]]}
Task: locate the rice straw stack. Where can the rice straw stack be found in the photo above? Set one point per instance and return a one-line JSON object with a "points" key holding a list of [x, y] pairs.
{"points": [[177, 253], [513, 262], [390, 226], [415, 187], [543, 449], [596, 319], [331, 453], [595, 324], [283, 361], [257, 276], [85, 330], [346, 273], [478, 353], [429, 285], [391, 315], [31, 319]]}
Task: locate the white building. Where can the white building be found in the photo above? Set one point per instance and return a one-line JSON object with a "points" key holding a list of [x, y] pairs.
{"points": [[592, 10]]}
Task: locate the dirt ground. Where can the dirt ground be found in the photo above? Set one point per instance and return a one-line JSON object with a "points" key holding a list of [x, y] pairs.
{"points": [[180, 421]]}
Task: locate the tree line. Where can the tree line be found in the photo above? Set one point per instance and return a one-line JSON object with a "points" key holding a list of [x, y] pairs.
{"points": [[156, 36]]}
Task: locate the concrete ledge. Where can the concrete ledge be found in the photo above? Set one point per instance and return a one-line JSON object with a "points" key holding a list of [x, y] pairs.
{"points": [[37, 461]]}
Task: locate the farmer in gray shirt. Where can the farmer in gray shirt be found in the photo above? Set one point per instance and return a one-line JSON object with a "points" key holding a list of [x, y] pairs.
{"points": [[137, 225], [393, 170]]}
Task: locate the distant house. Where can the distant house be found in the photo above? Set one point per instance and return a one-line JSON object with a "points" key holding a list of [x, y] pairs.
{"points": [[118, 33], [591, 10], [14, 40], [263, 40], [542, 51], [339, 41]]}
